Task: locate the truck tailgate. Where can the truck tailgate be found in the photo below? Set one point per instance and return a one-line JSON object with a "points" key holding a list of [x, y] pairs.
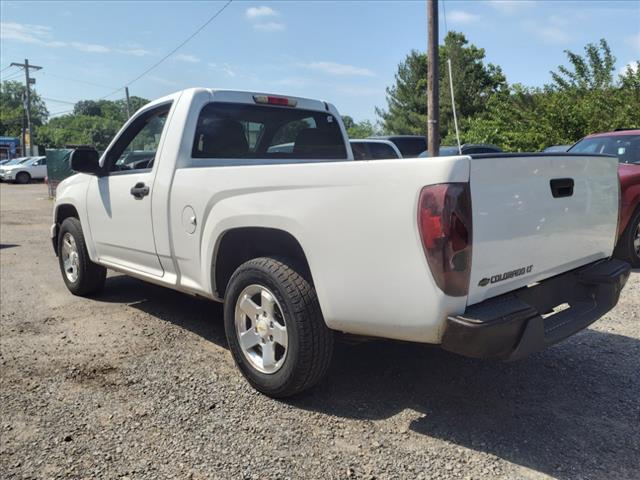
{"points": [[539, 215]]}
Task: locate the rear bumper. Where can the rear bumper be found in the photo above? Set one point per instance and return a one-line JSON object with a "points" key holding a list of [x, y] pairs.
{"points": [[516, 324]]}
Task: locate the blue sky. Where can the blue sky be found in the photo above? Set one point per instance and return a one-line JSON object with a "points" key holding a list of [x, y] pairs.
{"points": [[343, 52]]}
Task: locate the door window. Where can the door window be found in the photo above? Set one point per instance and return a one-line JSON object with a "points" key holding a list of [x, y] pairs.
{"points": [[137, 147]]}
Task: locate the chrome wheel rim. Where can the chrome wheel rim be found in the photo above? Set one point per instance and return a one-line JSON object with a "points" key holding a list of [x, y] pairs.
{"points": [[70, 258], [261, 329], [636, 240]]}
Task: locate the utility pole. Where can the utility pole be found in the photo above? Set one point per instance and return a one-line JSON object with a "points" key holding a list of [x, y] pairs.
{"points": [[126, 91], [28, 82], [433, 78]]}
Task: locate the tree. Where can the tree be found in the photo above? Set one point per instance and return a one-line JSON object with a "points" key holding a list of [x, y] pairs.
{"points": [[93, 122], [474, 84], [78, 130], [12, 112], [594, 70], [361, 129]]}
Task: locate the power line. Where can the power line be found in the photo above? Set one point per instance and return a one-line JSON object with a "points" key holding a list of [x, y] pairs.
{"points": [[6, 68], [58, 101], [211, 19], [78, 81], [12, 76], [60, 113]]}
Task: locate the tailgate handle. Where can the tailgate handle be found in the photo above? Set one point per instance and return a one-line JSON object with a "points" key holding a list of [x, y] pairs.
{"points": [[561, 187]]}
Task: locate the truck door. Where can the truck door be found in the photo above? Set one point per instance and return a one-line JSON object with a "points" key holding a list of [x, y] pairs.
{"points": [[119, 203]]}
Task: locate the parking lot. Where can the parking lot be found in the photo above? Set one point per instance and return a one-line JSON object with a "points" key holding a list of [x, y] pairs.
{"points": [[138, 383]]}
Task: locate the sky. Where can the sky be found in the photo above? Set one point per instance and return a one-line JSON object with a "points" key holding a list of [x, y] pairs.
{"points": [[343, 52]]}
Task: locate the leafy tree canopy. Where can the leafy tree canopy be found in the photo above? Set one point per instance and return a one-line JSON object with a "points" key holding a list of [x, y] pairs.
{"points": [[474, 83], [12, 108]]}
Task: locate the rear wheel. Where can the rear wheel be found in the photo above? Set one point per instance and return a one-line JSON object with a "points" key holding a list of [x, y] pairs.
{"points": [[80, 274], [275, 329], [628, 248], [23, 177]]}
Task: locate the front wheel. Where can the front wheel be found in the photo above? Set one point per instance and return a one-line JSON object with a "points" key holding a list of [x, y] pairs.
{"points": [[628, 248], [81, 276], [275, 329], [23, 177]]}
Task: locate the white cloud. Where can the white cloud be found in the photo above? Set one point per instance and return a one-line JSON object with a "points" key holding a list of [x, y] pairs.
{"points": [[293, 82], [260, 12], [552, 30], [224, 67], [460, 16], [186, 57], [90, 47], [260, 15], [511, 7], [23, 32], [552, 34], [634, 41], [634, 65], [339, 69], [41, 35], [137, 52], [162, 81], [269, 26]]}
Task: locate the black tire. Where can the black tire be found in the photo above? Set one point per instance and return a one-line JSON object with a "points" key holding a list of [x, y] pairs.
{"points": [[23, 177], [626, 250], [310, 342], [90, 276]]}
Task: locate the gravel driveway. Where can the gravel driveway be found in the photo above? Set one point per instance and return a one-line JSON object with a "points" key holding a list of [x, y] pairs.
{"points": [[138, 383]]}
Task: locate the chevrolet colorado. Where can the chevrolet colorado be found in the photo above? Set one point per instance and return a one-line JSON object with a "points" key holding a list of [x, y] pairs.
{"points": [[474, 255]]}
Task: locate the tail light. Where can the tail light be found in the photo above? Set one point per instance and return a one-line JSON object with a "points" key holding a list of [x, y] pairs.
{"points": [[272, 100], [444, 220]]}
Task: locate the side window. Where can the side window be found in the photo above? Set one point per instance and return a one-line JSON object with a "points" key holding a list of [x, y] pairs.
{"points": [[381, 150], [137, 146], [359, 151]]}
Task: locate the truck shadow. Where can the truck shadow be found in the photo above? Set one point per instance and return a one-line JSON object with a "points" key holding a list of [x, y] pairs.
{"points": [[572, 411]]}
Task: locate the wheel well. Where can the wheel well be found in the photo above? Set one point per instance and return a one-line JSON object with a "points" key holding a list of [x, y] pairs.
{"points": [[62, 212], [65, 211], [242, 244]]}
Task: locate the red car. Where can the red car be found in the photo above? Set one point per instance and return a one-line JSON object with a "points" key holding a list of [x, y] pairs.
{"points": [[625, 144]]}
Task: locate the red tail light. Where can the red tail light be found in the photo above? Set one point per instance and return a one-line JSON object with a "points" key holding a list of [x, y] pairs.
{"points": [[271, 100], [444, 220]]}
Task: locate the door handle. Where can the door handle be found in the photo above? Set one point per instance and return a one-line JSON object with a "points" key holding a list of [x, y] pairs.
{"points": [[139, 190], [561, 187]]}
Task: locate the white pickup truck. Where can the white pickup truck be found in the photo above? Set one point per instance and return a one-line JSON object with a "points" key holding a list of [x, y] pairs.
{"points": [[496, 255]]}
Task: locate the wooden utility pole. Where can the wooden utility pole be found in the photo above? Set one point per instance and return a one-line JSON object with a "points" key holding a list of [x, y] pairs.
{"points": [[433, 77], [126, 91], [28, 82]]}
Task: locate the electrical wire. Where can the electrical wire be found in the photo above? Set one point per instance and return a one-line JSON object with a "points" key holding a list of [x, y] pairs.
{"points": [[58, 101], [156, 64], [76, 80], [12, 76]]}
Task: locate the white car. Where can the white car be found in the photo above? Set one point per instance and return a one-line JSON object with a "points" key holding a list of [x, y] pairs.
{"points": [[472, 255], [30, 168]]}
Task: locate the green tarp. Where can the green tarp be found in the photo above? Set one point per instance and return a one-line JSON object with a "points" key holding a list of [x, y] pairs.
{"points": [[57, 167]]}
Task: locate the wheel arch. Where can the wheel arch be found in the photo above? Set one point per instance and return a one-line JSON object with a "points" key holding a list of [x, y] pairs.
{"points": [[62, 212], [240, 244]]}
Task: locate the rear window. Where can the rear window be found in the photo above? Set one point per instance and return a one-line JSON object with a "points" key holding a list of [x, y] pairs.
{"points": [[625, 147], [234, 130], [381, 150], [410, 147]]}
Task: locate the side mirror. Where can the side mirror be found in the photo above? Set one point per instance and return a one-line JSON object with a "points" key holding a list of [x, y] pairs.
{"points": [[85, 160]]}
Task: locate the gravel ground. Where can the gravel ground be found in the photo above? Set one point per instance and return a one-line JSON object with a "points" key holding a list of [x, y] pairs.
{"points": [[138, 383]]}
